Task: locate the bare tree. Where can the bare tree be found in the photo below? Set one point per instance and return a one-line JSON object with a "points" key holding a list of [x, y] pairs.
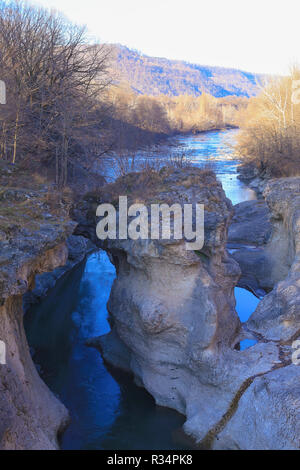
{"points": [[55, 80]]}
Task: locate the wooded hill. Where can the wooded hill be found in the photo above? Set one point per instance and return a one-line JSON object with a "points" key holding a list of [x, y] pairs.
{"points": [[156, 76]]}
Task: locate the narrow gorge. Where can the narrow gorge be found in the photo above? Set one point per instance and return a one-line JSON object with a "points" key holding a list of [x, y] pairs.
{"points": [[149, 229], [172, 312]]}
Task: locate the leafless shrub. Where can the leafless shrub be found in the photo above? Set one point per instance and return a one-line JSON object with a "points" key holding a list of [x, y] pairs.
{"points": [[179, 159], [270, 129]]}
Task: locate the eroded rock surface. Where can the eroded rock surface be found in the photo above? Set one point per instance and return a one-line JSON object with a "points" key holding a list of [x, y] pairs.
{"points": [[255, 176], [277, 317], [248, 236], [268, 412], [268, 415], [78, 248], [250, 225], [261, 236], [31, 241], [172, 311]]}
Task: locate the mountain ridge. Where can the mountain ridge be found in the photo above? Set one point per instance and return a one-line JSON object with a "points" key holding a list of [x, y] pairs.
{"points": [[159, 75]]}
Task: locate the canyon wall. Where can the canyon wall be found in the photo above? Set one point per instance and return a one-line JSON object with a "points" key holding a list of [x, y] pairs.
{"points": [[268, 413], [31, 417], [277, 317]]}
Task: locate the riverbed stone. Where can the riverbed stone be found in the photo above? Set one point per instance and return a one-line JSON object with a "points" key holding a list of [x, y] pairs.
{"points": [[251, 225], [268, 414], [248, 235]]}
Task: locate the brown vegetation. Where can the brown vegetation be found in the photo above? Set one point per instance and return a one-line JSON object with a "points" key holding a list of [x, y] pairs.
{"points": [[152, 185], [188, 114], [180, 114], [136, 122], [270, 126]]}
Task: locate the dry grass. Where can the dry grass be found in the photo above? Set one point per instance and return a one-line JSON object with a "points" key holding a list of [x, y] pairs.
{"points": [[27, 201], [151, 186]]}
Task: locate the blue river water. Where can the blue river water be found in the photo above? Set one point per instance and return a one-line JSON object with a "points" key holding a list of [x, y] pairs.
{"points": [[108, 411], [214, 149]]}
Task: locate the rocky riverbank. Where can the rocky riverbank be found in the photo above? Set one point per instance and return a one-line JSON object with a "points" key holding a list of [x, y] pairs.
{"points": [[254, 177], [78, 248], [248, 236], [32, 241], [268, 413]]}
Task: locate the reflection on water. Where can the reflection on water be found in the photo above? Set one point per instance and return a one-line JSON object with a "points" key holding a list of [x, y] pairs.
{"points": [[246, 304], [108, 411]]}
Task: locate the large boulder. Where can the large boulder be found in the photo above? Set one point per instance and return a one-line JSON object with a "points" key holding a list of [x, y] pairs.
{"points": [[250, 225], [172, 311], [248, 235]]}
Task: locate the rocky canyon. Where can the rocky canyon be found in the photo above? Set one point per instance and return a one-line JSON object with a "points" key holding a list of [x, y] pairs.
{"points": [[174, 325]]}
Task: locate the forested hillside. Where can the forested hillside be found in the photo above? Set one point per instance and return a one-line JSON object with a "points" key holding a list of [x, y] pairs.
{"points": [[156, 76]]}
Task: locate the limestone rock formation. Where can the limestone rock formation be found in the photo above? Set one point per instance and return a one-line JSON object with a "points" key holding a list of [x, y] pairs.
{"points": [[248, 236], [261, 235], [78, 248], [172, 311], [268, 413], [277, 317], [255, 176], [250, 225], [31, 241]]}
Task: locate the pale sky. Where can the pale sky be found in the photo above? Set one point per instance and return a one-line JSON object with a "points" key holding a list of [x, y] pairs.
{"points": [[253, 35]]}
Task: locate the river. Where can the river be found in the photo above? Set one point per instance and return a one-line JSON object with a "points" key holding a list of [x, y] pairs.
{"points": [[107, 410]]}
